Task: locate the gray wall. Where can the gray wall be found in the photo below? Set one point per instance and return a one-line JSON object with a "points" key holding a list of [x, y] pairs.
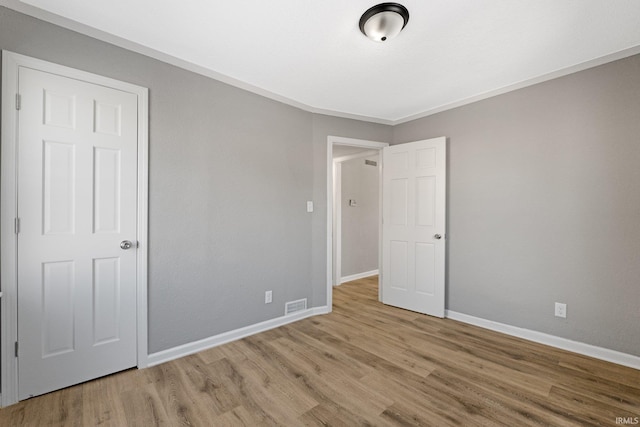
{"points": [[544, 205], [230, 174], [543, 196], [360, 224]]}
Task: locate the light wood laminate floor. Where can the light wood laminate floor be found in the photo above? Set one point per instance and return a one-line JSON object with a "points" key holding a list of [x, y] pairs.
{"points": [[363, 364]]}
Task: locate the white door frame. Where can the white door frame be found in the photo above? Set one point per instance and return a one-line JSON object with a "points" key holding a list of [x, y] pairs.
{"points": [[331, 141], [8, 199]]}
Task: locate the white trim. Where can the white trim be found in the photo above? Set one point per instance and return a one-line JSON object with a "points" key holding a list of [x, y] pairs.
{"points": [[368, 153], [226, 337], [550, 340], [143, 227], [357, 276], [337, 222], [21, 7], [11, 62], [339, 140], [8, 248], [354, 142], [380, 221]]}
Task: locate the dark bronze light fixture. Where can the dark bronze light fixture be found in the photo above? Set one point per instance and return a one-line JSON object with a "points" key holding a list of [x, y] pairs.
{"points": [[384, 21]]}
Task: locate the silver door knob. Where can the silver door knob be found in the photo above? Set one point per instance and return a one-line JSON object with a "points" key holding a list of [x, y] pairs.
{"points": [[126, 244], [437, 237]]}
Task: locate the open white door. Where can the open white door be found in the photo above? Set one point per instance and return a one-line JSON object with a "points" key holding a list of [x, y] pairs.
{"points": [[77, 186], [413, 229]]}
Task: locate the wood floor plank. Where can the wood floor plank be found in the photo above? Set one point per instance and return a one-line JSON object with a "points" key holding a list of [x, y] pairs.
{"points": [[276, 403], [345, 391], [337, 416], [63, 408], [379, 364], [242, 388], [211, 355], [591, 410], [610, 393], [594, 368], [216, 383], [311, 384], [238, 416], [102, 403], [330, 359], [414, 402], [363, 364], [394, 354], [486, 369], [182, 402], [143, 407], [502, 402]]}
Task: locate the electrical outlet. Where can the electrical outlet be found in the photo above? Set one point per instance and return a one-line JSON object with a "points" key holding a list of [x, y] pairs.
{"points": [[561, 310], [268, 297]]}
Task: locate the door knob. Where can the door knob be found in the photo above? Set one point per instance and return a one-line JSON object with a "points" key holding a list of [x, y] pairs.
{"points": [[437, 237], [126, 244]]}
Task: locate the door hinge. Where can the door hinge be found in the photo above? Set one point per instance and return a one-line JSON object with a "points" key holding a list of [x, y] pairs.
{"points": [[17, 225], [18, 101], [16, 348]]}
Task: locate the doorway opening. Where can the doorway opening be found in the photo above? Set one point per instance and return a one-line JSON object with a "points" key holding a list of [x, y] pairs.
{"points": [[351, 154]]}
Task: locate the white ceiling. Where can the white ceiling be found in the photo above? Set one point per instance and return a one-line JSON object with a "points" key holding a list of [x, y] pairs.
{"points": [[310, 53]]}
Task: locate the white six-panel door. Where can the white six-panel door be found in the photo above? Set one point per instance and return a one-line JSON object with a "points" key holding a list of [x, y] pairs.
{"points": [[77, 170], [413, 229]]}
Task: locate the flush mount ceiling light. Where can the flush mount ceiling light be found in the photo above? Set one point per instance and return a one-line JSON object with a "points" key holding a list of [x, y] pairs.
{"points": [[384, 21]]}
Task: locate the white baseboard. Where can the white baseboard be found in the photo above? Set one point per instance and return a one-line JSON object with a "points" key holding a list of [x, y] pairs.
{"points": [[358, 276], [601, 353], [216, 340], [550, 340]]}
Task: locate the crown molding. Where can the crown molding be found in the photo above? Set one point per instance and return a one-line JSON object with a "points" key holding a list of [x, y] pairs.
{"points": [[69, 24], [625, 53]]}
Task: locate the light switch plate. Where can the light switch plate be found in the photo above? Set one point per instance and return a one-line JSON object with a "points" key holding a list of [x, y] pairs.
{"points": [[309, 206]]}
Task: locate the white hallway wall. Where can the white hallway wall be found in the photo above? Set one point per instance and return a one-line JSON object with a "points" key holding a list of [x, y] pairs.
{"points": [[360, 223]]}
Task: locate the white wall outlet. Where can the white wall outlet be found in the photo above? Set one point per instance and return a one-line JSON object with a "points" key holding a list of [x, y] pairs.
{"points": [[309, 206], [268, 297], [561, 310]]}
